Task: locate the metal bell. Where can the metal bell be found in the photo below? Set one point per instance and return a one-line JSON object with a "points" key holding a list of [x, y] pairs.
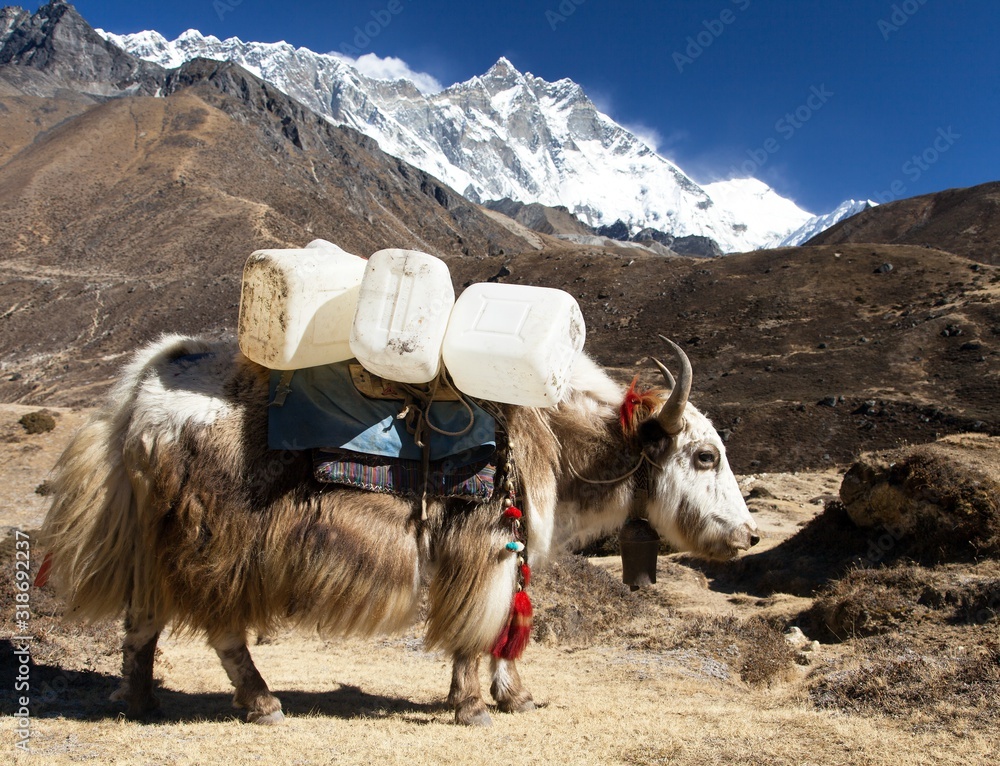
{"points": [[639, 547]]}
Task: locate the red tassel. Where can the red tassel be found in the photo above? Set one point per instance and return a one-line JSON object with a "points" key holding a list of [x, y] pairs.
{"points": [[626, 414], [514, 637], [500, 643], [519, 632], [43, 571], [512, 513], [525, 575]]}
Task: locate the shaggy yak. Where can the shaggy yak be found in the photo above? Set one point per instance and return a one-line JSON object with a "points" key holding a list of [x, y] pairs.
{"points": [[170, 507]]}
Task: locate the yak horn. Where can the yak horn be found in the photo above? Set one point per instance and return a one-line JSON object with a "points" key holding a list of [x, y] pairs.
{"points": [[666, 373], [671, 415]]}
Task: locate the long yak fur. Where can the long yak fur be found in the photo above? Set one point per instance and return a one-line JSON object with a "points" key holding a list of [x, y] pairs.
{"points": [[169, 502], [168, 505]]}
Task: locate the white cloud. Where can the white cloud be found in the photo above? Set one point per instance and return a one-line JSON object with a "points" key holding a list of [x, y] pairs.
{"points": [[651, 137], [392, 68], [603, 101]]}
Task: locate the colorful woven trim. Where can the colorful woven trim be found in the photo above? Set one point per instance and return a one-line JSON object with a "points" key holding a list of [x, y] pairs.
{"points": [[374, 473]]}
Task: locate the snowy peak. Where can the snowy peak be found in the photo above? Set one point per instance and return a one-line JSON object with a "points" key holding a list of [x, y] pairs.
{"points": [[820, 223], [151, 46], [749, 199], [502, 74], [503, 134]]}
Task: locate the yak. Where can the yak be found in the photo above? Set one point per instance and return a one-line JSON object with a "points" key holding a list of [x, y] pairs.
{"points": [[170, 508]]}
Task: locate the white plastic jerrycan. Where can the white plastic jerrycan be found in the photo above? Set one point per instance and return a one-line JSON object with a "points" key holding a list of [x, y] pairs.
{"points": [[513, 343], [403, 309], [297, 305]]}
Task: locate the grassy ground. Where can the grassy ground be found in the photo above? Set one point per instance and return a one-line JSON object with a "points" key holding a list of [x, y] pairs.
{"points": [[693, 671]]}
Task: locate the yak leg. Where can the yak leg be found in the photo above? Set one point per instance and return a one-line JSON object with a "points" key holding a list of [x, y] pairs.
{"points": [[466, 695], [138, 653], [507, 689], [251, 691]]}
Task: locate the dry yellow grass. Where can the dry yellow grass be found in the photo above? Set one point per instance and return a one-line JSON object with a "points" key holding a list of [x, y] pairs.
{"points": [[629, 696], [369, 702]]}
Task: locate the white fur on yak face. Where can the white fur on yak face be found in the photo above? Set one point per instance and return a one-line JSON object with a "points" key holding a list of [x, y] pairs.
{"points": [[695, 501]]}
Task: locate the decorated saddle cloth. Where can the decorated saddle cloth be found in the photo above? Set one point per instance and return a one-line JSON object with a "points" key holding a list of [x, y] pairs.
{"points": [[349, 419]]}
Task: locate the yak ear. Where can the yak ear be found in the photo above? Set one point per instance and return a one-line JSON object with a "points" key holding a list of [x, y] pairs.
{"points": [[654, 439]]}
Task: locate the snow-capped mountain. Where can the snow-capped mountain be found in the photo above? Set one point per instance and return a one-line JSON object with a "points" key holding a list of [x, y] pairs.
{"points": [[749, 199], [506, 134], [819, 223]]}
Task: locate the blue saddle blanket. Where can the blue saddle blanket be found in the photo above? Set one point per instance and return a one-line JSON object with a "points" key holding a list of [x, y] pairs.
{"points": [[324, 409]]}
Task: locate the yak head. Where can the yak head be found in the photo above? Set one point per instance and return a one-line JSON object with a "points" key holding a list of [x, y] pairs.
{"points": [[694, 500]]}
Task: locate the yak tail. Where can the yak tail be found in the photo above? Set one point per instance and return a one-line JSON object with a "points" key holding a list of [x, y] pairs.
{"points": [[91, 535], [90, 531]]}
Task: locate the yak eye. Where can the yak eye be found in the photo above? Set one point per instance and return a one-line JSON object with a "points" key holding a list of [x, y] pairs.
{"points": [[706, 458]]}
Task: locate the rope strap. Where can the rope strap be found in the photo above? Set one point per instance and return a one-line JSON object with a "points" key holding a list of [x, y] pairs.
{"points": [[643, 458], [416, 412]]}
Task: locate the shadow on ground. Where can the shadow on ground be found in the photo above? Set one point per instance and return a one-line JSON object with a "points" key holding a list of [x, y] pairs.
{"points": [[83, 695]]}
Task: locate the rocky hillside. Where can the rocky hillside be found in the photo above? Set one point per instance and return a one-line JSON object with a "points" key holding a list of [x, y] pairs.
{"points": [[123, 218], [47, 51], [802, 356], [127, 217], [557, 221], [962, 221]]}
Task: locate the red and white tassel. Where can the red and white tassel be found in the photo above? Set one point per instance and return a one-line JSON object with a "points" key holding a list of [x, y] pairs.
{"points": [[516, 632], [513, 639]]}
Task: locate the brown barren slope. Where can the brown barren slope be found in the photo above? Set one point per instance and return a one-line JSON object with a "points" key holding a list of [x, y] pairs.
{"points": [[778, 337], [122, 220], [962, 221], [136, 217]]}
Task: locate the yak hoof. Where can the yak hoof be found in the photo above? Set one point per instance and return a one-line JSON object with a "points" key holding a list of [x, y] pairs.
{"points": [[149, 714], [266, 719], [141, 708], [473, 715], [144, 710], [515, 706]]}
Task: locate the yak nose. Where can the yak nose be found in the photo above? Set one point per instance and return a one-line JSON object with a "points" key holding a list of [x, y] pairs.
{"points": [[748, 536]]}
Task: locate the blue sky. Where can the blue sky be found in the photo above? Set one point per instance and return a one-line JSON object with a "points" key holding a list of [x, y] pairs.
{"points": [[822, 100]]}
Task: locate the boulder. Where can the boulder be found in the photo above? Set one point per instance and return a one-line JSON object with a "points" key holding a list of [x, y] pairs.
{"points": [[944, 497]]}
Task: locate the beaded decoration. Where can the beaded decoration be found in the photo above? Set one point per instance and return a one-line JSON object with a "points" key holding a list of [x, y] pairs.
{"points": [[515, 634]]}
